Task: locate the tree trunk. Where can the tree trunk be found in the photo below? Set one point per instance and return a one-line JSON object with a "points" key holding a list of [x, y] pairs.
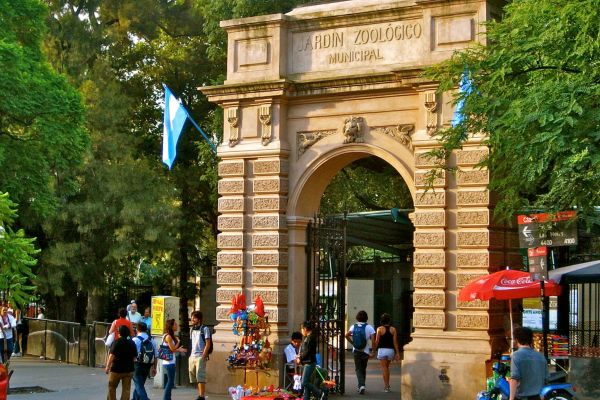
{"points": [[184, 266], [94, 306]]}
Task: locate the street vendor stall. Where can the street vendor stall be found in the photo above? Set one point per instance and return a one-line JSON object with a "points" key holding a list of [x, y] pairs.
{"points": [[582, 283]]}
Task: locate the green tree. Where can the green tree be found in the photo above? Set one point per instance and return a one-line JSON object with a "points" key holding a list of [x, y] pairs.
{"points": [[369, 184], [42, 132], [536, 99], [118, 54], [16, 256]]}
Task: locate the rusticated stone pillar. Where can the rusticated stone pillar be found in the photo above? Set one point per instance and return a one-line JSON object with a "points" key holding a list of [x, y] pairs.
{"points": [[429, 260], [232, 224], [269, 242]]}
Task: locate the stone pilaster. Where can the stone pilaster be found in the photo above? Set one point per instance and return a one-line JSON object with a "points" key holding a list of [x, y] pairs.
{"points": [[230, 240], [476, 238], [268, 239], [429, 260]]}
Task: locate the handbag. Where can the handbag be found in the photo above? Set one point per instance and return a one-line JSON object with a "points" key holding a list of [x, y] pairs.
{"points": [[164, 352]]}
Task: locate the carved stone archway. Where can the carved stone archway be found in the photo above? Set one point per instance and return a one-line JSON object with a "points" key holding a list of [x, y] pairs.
{"points": [[311, 91]]}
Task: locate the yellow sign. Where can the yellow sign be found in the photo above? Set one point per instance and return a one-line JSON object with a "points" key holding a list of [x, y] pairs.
{"points": [[158, 315]]}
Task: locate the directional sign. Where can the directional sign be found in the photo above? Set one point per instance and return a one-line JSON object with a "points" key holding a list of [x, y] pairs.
{"points": [[549, 230], [538, 264]]}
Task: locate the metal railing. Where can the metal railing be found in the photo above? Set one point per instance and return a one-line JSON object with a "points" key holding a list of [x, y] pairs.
{"points": [[69, 342]]}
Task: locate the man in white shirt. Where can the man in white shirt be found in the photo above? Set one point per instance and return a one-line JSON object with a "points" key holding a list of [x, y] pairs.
{"points": [[8, 325], [361, 351], [201, 338], [133, 315]]}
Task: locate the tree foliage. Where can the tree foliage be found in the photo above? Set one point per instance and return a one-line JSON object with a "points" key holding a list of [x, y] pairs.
{"points": [[42, 132], [369, 184], [17, 256], [536, 100], [130, 207]]}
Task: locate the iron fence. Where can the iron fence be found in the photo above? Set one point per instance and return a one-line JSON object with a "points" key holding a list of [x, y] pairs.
{"points": [[584, 324]]}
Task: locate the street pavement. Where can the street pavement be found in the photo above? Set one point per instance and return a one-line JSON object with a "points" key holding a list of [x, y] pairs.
{"points": [[70, 382]]}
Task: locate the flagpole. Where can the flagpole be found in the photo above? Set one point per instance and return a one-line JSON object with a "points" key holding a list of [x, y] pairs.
{"points": [[210, 142]]}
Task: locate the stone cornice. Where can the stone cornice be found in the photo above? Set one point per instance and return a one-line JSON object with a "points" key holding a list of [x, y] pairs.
{"points": [[407, 79], [252, 90]]}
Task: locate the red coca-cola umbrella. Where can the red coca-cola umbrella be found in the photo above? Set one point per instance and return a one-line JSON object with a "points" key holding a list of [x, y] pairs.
{"points": [[506, 284]]}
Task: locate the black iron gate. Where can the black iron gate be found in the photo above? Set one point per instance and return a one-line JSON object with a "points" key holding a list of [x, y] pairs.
{"points": [[326, 292]]}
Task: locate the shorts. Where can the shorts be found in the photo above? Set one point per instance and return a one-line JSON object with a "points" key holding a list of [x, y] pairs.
{"points": [[385, 354], [197, 370]]}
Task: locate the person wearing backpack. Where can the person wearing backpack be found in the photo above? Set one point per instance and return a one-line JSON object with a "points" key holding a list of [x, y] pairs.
{"points": [[360, 335], [200, 349], [145, 362]]}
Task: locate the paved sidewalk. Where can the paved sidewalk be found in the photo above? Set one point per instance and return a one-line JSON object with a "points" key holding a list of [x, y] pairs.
{"points": [[74, 382]]}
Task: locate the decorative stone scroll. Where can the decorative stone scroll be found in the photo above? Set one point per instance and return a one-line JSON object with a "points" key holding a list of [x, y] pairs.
{"points": [[354, 130], [431, 105], [264, 117], [401, 133], [233, 118], [307, 139]]}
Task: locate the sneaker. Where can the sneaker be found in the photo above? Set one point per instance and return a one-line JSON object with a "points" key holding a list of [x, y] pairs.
{"points": [[361, 390], [14, 355], [387, 389]]}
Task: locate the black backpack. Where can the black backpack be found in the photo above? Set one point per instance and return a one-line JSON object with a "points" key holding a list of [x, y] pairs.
{"points": [[146, 354]]}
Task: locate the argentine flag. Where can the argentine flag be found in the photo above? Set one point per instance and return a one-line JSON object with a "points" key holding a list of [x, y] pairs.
{"points": [[463, 87], [174, 120]]}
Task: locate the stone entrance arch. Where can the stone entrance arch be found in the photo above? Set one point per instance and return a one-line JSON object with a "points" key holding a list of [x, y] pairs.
{"points": [[309, 92]]}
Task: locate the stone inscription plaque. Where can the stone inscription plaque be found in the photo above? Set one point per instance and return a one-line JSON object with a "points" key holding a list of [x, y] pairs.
{"points": [[401, 42]]}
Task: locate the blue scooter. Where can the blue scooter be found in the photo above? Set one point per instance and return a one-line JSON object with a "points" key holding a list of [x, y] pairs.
{"points": [[501, 388]]}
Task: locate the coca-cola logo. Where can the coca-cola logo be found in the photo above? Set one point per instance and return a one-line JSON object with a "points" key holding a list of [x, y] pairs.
{"points": [[525, 280]]}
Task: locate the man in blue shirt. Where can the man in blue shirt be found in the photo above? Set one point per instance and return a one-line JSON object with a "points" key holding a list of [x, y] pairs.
{"points": [[528, 368], [142, 370]]}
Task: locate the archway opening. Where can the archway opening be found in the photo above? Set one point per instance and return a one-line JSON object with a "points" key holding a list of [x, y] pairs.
{"points": [[360, 252]]}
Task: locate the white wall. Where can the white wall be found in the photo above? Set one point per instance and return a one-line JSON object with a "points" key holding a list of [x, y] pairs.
{"points": [[359, 296]]}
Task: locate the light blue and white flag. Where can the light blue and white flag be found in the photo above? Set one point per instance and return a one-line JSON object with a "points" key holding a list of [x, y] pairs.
{"points": [[463, 87], [174, 120]]}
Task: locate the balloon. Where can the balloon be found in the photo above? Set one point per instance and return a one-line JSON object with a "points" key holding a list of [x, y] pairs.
{"points": [[260, 306]]}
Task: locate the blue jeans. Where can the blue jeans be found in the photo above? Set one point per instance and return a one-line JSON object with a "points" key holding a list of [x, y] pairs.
{"points": [[307, 384], [170, 370], [140, 375], [9, 349]]}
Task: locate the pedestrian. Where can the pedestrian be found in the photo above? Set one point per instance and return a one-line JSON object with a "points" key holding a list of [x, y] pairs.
{"points": [[201, 341], [133, 315], [19, 329], [307, 357], [147, 319], [119, 365], [360, 334], [41, 313], [8, 325], [174, 345], [117, 323], [386, 345], [145, 363], [528, 368]]}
